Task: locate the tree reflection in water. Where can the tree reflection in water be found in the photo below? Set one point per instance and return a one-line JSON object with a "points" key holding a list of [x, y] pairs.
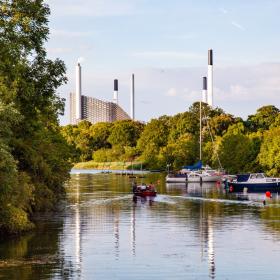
{"points": [[104, 226]]}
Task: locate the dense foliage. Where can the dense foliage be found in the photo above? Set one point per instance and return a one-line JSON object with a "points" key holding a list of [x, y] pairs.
{"points": [[230, 142], [34, 157], [103, 141]]}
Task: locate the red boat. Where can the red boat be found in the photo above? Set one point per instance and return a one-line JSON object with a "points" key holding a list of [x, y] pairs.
{"points": [[144, 190]]}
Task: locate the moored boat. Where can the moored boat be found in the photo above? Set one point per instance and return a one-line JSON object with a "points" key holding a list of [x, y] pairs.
{"points": [[182, 175], [176, 178], [204, 176], [254, 182], [198, 176]]}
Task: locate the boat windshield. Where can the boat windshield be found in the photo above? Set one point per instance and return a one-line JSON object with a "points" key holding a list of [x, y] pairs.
{"points": [[257, 176]]}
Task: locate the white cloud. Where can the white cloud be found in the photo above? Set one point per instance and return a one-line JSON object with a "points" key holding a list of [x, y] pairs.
{"points": [[237, 25], [239, 92], [81, 59], [172, 92], [191, 95]]}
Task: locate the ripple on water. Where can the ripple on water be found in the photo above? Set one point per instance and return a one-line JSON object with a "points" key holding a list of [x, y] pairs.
{"points": [[104, 234]]}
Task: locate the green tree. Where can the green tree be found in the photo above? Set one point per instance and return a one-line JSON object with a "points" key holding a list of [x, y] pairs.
{"points": [[183, 123], [276, 122], [83, 140], [184, 151], [155, 133], [125, 133], [100, 133], [15, 190], [211, 152], [269, 156], [263, 119], [70, 133], [237, 152], [219, 124], [102, 155], [29, 80], [154, 137], [207, 111]]}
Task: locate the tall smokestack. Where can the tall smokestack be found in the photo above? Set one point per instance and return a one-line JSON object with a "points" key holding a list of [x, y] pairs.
{"points": [[116, 90], [210, 78], [132, 112], [78, 92], [204, 90]]}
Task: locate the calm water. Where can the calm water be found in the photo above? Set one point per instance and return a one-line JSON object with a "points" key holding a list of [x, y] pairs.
{"points": [[189, 232]]}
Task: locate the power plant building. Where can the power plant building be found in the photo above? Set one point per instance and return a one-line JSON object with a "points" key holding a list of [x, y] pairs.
{"points": [[95, 110], [92, 109]]}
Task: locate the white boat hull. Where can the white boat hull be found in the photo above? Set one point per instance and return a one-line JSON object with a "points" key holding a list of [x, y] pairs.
{"points": [[192, 179], [169, 179], [204, 179]]}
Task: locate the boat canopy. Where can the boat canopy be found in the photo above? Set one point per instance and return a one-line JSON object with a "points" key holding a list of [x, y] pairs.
{"points": [[196, 166]]}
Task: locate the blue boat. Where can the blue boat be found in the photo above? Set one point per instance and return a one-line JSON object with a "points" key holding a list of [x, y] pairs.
{"points": [[254, 182]]}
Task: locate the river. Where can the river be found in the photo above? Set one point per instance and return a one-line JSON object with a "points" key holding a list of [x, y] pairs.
{"points": [[186, 232]]}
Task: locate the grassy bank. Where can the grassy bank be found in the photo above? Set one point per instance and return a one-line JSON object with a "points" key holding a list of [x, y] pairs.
{"points": [[118, 165]]}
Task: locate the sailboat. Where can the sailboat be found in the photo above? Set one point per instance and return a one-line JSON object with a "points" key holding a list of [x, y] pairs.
{"points": [[196, 173]]}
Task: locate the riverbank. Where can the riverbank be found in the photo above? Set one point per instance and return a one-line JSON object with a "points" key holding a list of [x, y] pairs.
{"points": [[108, 165]]}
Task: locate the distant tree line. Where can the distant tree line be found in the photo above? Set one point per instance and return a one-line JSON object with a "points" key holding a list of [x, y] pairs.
{"points": [[240, 145], [34, 157]]}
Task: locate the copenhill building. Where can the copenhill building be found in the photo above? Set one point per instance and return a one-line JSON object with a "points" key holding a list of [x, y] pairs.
{"points": [[92, 109]]}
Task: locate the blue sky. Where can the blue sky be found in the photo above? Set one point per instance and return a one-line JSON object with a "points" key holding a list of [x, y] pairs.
{"points": [[165, 44]]}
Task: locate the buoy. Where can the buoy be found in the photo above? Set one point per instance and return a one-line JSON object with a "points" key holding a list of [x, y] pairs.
{"points": [[268, 194]]}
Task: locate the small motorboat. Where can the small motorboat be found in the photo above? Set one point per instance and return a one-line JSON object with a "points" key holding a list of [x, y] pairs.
{"points": [[254, 182], [144, 190]]}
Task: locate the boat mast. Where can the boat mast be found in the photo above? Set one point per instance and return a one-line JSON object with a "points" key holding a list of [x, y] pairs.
{"points": [[200, 132]]}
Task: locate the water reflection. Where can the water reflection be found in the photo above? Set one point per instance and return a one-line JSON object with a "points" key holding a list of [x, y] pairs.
{"points": [[183, 232], [116, 233], [133, 227], [77, 234], [211, 253]]}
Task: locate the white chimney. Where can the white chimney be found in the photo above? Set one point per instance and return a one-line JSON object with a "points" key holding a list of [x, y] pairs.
{"points": [[116, 91], [132, 104], [78, 92], [204, 90]]}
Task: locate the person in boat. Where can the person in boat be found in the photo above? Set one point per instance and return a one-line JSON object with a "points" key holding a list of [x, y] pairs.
{"points": [[134, 186], [151, 187], [143, 187]]}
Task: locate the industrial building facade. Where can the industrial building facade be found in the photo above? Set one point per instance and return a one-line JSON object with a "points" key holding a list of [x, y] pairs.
{"points": [[95, 110]]}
